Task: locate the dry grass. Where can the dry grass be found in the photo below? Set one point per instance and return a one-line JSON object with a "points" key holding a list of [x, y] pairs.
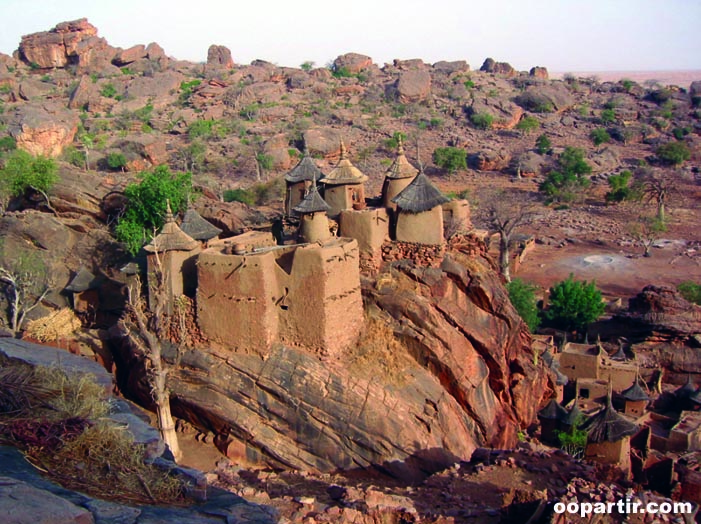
{"points": [[379, 353], [55, 326], [57, 420]]}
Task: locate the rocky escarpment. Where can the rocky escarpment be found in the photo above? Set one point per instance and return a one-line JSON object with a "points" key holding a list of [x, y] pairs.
{"points": [[457, 373]]}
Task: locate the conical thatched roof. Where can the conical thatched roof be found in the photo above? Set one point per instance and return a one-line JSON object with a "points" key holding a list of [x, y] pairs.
{"points": [[312, 202], [560, 378], [553, 411], [82, 281], [635, 392], [419, 196], [401, 168], [608, 425], [344, 172], [696, 397], [547, 357], [620, 354], [171, 237], [305, 169], [685, 391], [573, 416], [197, 227]]}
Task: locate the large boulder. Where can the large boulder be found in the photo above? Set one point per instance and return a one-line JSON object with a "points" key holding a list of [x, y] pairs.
{"points": [[461, 374], [546, 98], [413, 86], [325, 141], [43, 130], [504, 112], [68, 42], [219, 57], [539, 72], [127, 56], [456, 66], [352, 63], [499, 68], [490, 159]]}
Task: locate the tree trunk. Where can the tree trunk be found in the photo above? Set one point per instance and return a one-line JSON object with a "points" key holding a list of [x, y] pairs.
{"points": [[504, 256], [160, 395], [661, 211]]}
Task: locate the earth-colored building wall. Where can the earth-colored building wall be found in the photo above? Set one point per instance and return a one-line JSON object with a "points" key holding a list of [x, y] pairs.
{"points": [[294, 194], [635, 408], [391, 188], [458, 212], [340, 197], [621, 374], [580, 365], [305, 296], [370, 227], [180, 272], [421, 228], [610, 453], [314, 227]]}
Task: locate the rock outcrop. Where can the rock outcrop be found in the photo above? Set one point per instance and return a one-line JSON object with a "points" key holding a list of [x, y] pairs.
{"points": [[661, 312], [219, 57], [352, 62], [43, 129], [463, 378], [74, 42], [413, 86], [499, 68]]}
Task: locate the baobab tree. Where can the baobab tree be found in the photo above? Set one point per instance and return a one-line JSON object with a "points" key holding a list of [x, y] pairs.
{"points": [[504, 215], [656, 187], [26, 284]]}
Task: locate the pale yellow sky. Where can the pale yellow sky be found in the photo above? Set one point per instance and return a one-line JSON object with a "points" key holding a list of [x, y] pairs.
{"points": [[563, 35]]}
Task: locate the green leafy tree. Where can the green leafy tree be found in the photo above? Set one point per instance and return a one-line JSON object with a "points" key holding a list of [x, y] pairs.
{"points": [[307, 66], [567, 182], [450, 158], [116, 161], [392, 143], [574, 441], [621, 188], [23, 172], [646, 229], [573, 304], [7, 144], [608, 116], [673, 153], [691, 291], [522, 296], [543, 144], [146, 205]]}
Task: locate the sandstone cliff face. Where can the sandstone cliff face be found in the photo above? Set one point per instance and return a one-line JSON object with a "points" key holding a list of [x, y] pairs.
{"points": [[463, 377]]}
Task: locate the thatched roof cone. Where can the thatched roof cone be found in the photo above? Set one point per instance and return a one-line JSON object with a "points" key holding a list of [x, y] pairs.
{"points": [[686, 390], [344, 172], [401, 168], [635, 392], [312, 202], [305, 169], [171, 237], [197, 227], [419, 196], [572, 417], [82, 281], [553, 411], [608, 425]]}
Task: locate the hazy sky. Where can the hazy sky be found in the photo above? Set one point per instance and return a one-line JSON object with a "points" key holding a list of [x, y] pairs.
{"points": [[563, 35]]}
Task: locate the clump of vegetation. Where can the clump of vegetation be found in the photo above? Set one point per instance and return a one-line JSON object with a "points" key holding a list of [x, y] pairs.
{"points": [[307, 66], [146, 205], [522, 296], [535, 102], [527, 124], [600, 136], [186, 90], [573, 304], [543, 145], [691, 291], [116, 160], [379, 351], [608, 116], [108, 91], [206, 129], [482, 120], [258, 194], [393, 142], [566, 183], [450, 158], [23, 172], [673, 153], [621, 188], [574, 441]]}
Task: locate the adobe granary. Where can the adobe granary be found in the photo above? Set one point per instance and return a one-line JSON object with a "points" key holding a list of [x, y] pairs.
{"points": [[298, 181], [314, 225], [608, 437], [305, 295], [635, 399], [551, 418], [398, 176], [419, 212], [344, 186], [174, 253]]}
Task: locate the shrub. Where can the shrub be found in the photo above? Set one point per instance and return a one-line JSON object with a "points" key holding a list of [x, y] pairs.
{"points": [[108, 91], [202, 129], [7, 144], [691, 291], [342, 72], [307, 66], [392, 143], [573, 304], [240, 195], [600, 136], [527, 124], [673, 153], [543, 144], [620, 187], [608, 116], [116, 160], [522, 296], [146, 205], [482, 120], [450, 158], [627, 84], [565, 184], [265, 161], [73, 156]]}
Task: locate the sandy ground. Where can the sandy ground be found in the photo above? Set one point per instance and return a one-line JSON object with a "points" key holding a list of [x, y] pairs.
{"points": [[677, 78]]}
